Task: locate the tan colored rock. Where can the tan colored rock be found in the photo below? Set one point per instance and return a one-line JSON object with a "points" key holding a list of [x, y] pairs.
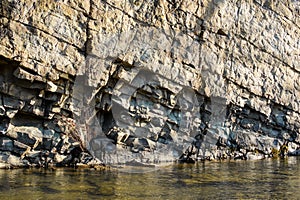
{"points": [[161, 73]]}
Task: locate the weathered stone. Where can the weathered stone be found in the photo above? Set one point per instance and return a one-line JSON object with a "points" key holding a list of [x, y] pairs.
{"points": [[2, 111], [15, 161], [6, 144], [156, 82], [10, 113], [22, 74], [13, 103], [4, 165], [27, 133], [20, 148], [51, 87], [58, 158]]}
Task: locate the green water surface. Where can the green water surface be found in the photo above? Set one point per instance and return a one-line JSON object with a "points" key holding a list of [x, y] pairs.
{"points": [[263, 179]]}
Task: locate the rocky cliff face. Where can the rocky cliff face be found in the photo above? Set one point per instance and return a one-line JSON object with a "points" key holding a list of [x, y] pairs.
{"points": [[149, 81]]}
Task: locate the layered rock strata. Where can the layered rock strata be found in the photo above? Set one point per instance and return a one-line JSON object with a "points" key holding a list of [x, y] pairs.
{"points": [[149, 81]]}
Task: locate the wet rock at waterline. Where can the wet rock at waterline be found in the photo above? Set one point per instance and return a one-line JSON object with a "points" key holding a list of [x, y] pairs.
{"points": [[116, 82]]}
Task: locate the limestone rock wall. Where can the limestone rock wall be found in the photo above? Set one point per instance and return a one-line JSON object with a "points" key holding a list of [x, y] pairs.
{"points": [[148, 81]]}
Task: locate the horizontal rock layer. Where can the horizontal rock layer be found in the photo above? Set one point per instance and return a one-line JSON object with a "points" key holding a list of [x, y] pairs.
{"points": [[150, 81]]}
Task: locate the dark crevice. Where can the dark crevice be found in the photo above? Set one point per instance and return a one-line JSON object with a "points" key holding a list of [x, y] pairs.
{"points": [[87, 30], [189, 64], [266, 99], [30, 71]]}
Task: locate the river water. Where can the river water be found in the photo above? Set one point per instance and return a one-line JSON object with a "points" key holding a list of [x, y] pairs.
{"points": [[263, 179]]}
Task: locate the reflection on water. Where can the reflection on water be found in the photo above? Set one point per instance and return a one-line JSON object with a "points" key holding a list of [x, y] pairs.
{"points": [[265, 179]]}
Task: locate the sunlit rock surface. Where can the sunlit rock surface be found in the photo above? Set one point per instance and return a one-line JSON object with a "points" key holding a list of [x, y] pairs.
{"points": [[148, 81]]}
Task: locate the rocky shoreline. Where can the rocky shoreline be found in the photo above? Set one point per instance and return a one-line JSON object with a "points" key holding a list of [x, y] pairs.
{"points": [[105, 82]]}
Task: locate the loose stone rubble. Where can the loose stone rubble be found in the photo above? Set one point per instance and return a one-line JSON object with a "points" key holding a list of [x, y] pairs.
{"points": [[110, 82]]}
